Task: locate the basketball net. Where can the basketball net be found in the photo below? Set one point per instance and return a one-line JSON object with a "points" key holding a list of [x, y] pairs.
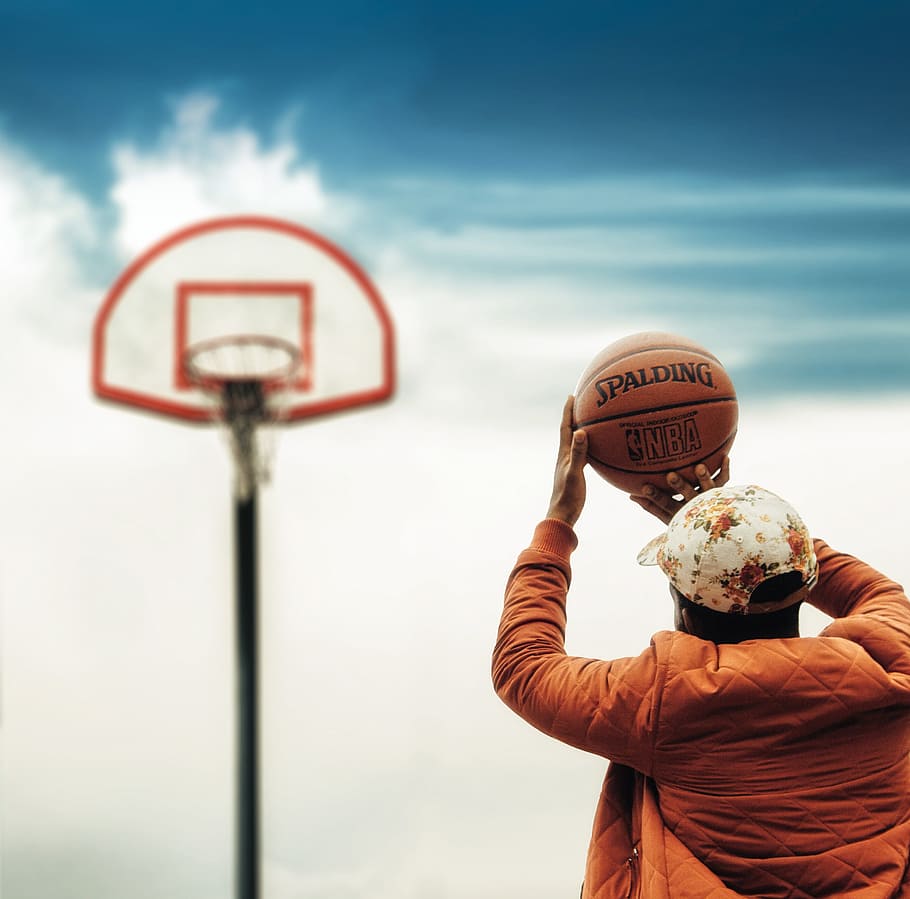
{"points": [[247, 379]]}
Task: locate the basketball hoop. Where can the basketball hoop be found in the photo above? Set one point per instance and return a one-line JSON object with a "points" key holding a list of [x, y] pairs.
{"points": [[247, 322], [246, 378]]}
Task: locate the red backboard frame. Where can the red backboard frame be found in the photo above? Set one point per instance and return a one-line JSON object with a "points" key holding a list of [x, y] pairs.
{"points": [[180, 297]]}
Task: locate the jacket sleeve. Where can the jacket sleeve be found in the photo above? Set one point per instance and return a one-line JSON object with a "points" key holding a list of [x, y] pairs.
{"points": [[604, 707], [846, 586], [868, 608]]}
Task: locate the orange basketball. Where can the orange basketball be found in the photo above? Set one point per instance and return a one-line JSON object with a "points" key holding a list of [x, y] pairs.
{"points": [[652, 403]]}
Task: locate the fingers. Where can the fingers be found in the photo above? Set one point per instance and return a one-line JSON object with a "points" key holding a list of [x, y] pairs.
{"points": [[579, 450], [705, 481], [649, 505], [665, 501], [565, 428], [659, 503], [569, 491], [681, 487], [704, 477]]}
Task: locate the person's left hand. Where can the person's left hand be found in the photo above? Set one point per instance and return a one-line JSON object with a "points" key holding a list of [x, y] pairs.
{"points": [[569, 488], [663, 504]]}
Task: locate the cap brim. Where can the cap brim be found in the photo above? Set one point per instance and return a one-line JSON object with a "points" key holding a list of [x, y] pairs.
{"points": [[648, 554]]}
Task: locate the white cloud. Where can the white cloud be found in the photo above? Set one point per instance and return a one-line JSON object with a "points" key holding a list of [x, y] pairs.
{"points": [[198, 170], [607, 247], [46, 228], [654, 194]]}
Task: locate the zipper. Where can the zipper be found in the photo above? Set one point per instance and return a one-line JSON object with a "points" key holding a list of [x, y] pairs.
{"points": [[632, 865]]}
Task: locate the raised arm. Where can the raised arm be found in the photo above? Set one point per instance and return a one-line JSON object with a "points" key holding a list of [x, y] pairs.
{"points": [[599, 706], [846, 586]]}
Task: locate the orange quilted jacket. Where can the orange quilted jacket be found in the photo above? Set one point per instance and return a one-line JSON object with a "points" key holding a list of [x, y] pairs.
{"points": [[770, 768]]}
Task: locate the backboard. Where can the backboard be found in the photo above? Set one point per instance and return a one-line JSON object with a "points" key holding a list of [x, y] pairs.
{"points": [[243, 275]]}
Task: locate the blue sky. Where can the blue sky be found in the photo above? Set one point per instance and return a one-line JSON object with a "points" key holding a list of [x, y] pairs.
{"points": [[785, 127], [533, 89], [524, 183]]}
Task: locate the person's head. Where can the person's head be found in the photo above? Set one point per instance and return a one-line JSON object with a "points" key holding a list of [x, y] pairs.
{"points": [[739, 561]]}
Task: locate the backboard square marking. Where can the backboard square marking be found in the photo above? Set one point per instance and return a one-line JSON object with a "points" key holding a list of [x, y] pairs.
{"points": [[302, 292]]}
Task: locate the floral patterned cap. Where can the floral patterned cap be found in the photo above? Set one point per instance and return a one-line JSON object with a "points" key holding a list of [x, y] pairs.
{"points": [[725, 542]]}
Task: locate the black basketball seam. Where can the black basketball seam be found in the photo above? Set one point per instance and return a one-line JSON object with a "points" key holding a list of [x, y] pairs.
{"points": [[660, 470], [704, 353], [639, 412]]}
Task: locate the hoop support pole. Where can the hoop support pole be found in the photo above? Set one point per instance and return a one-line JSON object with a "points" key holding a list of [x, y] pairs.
{"points": [[247, 834]]}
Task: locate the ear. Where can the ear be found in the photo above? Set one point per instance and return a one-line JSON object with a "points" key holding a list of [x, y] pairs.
{"points": [[686, 622], [679, 613]]}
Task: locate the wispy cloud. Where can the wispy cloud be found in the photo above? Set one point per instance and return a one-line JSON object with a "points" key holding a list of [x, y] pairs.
{"points": [[199, 169], [47, 229], [798, 271]]}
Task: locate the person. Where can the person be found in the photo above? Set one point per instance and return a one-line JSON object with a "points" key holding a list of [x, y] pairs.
{"points": [[743, 759]]}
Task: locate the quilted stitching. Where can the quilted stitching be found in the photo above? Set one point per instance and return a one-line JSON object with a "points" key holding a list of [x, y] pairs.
{"points": [[772, 830], [774, 763]]}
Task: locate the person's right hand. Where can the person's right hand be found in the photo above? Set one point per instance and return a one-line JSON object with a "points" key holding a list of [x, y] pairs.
{"points": [[662, 502], [569, 488]]}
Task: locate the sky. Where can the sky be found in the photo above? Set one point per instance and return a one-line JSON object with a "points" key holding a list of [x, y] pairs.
{"points": [[524, 183]]}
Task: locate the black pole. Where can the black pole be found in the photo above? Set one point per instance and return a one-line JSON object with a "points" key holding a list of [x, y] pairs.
{"points": [[247, 636]]}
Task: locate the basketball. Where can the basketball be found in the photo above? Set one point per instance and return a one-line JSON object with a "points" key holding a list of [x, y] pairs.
{"points": [[653, 403]]}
